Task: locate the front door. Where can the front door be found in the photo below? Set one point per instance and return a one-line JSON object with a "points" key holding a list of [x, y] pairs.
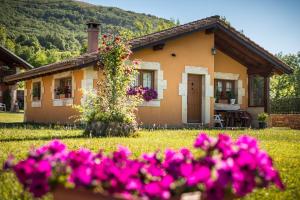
{"points": [[194, 97]]}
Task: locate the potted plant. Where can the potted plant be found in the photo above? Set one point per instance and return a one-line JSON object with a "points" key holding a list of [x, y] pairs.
{"points": [[262, 120], [231, 97]]}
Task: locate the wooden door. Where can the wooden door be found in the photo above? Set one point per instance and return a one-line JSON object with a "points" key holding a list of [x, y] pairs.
{"points": [[194, 98]]}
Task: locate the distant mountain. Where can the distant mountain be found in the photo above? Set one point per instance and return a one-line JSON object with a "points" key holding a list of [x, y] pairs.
{"points": [[60, 24]]}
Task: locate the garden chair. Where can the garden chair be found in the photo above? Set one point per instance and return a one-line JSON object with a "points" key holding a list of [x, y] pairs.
{"points": [[3, 107], [218, 120]]}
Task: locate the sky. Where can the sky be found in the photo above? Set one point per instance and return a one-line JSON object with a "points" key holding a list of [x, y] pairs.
{"points": [[273, 24]]}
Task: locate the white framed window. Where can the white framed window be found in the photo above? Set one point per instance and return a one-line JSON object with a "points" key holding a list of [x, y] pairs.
{"points": [[63, 88], [144, 78], [36, 91]]}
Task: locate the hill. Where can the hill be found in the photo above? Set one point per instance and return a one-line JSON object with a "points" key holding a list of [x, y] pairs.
{"points": [[56, 28]]}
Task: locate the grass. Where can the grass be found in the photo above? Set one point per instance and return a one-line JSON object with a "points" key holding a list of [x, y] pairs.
{"points": [[6, 117], [282, 144]]}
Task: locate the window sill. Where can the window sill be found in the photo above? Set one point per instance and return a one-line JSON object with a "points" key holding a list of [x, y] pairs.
{"points": [[36, 104], [152, 103], [223, 106], [63, 102]]}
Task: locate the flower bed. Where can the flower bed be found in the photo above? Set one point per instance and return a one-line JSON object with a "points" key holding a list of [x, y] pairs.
{"points": [[148, 94], [220, 169]]}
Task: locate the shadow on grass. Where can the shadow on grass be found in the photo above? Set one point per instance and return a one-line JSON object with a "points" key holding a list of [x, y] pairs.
{"points": [[45, 138], [35, 126]]}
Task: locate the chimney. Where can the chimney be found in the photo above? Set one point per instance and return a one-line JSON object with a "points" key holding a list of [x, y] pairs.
{"points": [[93, 34]]}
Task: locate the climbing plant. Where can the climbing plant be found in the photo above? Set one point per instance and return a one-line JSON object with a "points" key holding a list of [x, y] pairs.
{"points": [[110, 110]]}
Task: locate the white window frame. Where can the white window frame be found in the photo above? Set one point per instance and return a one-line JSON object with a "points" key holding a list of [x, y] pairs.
{"points": [[36, 104], [238, 83], [159, 83], [66, 101]]}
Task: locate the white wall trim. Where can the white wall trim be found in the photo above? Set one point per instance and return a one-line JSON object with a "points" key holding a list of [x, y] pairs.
{"points": [[238, 83], [241, 91], [226, 76], [25, 102], [37, 104], [207, 93], [152, 103], [67, 101], [87, 83], [63, 102], [159, 83]]}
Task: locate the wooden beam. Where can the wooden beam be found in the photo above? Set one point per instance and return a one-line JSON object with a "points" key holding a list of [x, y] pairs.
{"points": [[210, 30], [225, 39], [237, 56], [267, 94], [262, 71], [158, 47]]}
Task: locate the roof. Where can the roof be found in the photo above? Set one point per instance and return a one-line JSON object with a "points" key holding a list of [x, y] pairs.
{"points": [[70, 64], [13, 58], [213, 22]]}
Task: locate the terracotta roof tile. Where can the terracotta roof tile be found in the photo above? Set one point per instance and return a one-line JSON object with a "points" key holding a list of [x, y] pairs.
{"points": [[150, 39]]}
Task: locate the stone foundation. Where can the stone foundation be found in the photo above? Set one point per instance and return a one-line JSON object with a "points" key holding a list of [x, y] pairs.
{"points": [[110, 129]]}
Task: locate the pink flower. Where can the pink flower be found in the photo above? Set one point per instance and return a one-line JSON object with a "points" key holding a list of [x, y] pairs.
{"points": [[203, 142], [39, 188], [24, 170], [200, 174], [81, 176]]}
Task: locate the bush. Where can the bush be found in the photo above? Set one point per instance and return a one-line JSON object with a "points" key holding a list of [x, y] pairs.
{"points": [[110, 104], [262, 117], [287, 105]]}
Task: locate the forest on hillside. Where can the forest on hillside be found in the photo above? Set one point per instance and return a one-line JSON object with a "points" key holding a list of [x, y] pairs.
{"points": [[47, 31]]}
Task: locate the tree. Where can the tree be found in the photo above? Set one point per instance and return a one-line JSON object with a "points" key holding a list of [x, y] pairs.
{"points": [[287, 85]]}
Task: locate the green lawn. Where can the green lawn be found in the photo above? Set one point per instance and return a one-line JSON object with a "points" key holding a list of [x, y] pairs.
{"points": [[282, 144], [6, 117]]}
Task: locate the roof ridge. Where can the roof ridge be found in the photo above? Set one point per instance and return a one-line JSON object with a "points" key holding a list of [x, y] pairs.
{"points": [[175, 27]]}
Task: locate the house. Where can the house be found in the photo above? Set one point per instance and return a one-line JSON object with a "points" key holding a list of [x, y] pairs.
{"points": [[188, 65], [10, 64]]}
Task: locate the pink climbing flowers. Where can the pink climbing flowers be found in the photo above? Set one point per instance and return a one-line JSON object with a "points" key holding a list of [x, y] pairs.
{"points": [[220, 168], [146, 93]]}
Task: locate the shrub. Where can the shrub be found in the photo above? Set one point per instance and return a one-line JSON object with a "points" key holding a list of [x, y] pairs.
{"points": [[262, 117], [110, 104], [220, 169]]}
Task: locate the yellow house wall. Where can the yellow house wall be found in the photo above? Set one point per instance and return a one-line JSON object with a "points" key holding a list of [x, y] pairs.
{"points": [[225, 64], [48, 113], [191, 50]]}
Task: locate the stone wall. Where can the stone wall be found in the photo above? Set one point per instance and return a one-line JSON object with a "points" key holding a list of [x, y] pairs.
{"points": [[285, 120]]}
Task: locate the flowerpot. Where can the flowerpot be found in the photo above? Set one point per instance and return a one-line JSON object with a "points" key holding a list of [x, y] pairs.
{"points": [[62, 96], [61, 193], [262, 125], [224, 101], [232, 101]]}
